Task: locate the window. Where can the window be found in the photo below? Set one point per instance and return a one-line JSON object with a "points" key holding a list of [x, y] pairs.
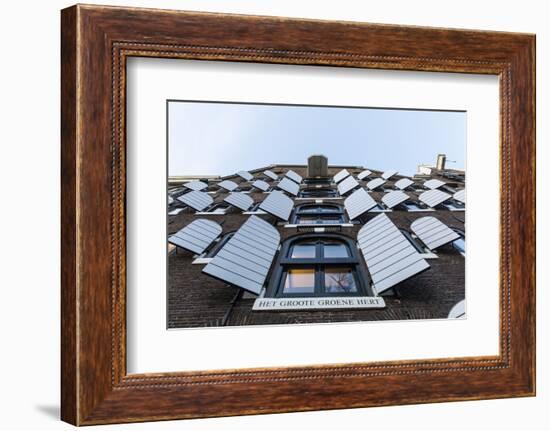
{"points": [[299, 281], [174, 194], [313, 265], [339, 280], [255, 209], [412, 207], [219, 245], [318, 214], [304, 250], [378, 209], [319, 181], [318, 192], [220, 208], [335, 250], [455, 206], [414, 242], [213, 250], [460, 243]]}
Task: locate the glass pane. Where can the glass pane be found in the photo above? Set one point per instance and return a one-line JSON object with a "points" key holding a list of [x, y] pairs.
{"points": [[330, 220], [307, 220], [314, 209], [335, 250], [320, 193], [300, 281], [339, 280], [303, 251], [328, 209], [309, 210]]}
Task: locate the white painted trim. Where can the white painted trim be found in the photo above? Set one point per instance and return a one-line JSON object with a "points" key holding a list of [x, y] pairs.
{"points": [[420, 210], [211, 213], [254, 212], [429, 255], [176, 211], [201, 261], [451, 207], [314, 199], [319, 225]]}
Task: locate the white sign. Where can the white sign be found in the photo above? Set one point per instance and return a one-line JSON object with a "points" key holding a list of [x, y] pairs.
{"points": [[270, 304]]}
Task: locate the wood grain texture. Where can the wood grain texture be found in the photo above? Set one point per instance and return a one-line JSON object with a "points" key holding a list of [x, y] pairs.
{"points": [[96, 41], [69, 398]]}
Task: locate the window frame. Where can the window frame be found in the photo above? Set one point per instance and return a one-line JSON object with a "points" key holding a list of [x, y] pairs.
{"points": [[284, 263], [331, 193], [217, 205], [420, 207], [217, 246], [379, 208], [414, 241], [299, 212], [254, 209], [313, 181], [454, 205]]}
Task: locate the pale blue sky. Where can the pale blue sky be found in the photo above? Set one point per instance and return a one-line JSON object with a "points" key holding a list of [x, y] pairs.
{"points": [[221, 139]]}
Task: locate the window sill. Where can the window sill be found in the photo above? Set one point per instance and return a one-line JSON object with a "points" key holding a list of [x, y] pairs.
{"points": [[209, 213], [421, 210], [318, 199], [175, 211], [453, 208], [254, 212], [290, 226], [429, 256], [201, 261]]}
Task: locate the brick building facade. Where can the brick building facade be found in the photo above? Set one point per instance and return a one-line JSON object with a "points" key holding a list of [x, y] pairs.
{"points": [[196, 299]]}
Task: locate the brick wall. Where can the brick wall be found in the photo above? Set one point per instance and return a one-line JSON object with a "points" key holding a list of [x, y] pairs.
{"points": [[197, 300]]}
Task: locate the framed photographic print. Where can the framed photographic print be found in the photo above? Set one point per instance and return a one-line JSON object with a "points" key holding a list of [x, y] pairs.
{"points": [[268, 215]]}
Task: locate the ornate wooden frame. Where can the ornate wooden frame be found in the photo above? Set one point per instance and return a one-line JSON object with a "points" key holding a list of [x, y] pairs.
{"points": [[96, 41]]}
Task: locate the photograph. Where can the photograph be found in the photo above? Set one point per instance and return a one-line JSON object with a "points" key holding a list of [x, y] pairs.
{"points": [[290, 213], [281, 214]]}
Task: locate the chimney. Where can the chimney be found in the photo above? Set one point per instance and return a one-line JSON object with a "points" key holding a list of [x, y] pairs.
{"points": [[317, 166], [440, 165]]}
